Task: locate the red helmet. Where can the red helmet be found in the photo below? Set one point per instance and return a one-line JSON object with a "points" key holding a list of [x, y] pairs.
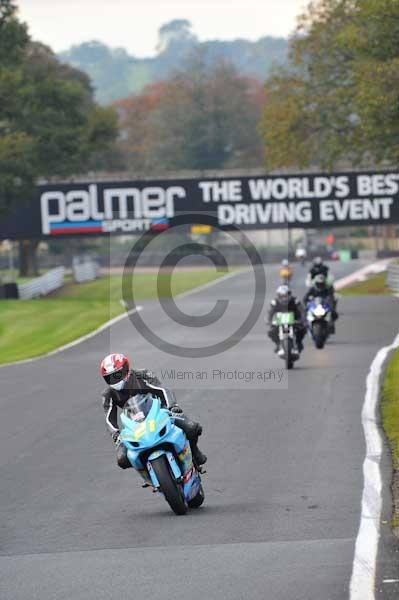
{"points": [[114, 369]]}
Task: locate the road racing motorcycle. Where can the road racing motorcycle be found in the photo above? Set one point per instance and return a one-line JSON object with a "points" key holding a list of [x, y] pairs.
{"points": [[161, 453], [320, 321], [288, 350]]}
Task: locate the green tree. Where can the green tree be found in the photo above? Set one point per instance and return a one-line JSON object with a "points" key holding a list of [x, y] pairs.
{"points": [[343, 104], [50, 125], [16, 146]]}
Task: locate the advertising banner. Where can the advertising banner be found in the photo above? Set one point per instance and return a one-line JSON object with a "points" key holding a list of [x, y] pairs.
{"points": [[269, 202]]}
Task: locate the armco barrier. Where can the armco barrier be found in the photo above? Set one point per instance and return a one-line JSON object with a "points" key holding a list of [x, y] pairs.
{"points": [[86, 271], [392, 278], [41, 286]]}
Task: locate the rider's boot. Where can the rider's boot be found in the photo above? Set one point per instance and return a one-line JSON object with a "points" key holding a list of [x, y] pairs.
{"points": [[198, 457], [192, 430]]}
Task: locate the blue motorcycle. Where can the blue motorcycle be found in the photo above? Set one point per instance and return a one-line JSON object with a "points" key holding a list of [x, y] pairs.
{"points": [[161, 453], [319, 319]]}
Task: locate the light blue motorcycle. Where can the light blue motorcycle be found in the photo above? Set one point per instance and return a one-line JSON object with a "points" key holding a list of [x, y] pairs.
{"points": [[161, 453]]}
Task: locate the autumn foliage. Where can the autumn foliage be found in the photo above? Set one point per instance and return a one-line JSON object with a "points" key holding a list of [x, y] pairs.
{"points": [[337, 103], [202, 118]]}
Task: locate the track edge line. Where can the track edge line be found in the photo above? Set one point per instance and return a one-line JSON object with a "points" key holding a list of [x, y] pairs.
{"points": [[362, 584]]}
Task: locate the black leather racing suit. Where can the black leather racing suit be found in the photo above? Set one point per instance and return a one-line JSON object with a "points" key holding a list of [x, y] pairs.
{"points": [[294, 306], [143, 381]]}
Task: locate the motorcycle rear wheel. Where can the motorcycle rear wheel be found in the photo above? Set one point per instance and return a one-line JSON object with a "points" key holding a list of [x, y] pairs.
{"points": [[169, 486]]}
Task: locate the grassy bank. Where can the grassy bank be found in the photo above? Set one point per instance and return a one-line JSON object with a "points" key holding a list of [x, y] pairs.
{"points": [[30, 328], [374, 285], [390, 422]]}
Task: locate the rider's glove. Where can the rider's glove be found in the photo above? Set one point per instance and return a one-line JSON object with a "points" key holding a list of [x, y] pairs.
{"points": [[116, 438], [175, 410]]}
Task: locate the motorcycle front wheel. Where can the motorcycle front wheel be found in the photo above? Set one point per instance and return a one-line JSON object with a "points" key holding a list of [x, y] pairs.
{"points": [[198, 500], [169, 486]]}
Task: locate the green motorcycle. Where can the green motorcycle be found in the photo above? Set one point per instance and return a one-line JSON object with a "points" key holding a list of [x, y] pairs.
{"points": [[288, 350]]}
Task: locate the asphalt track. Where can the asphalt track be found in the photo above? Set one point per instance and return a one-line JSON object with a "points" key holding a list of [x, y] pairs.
{"points": [[284, 481]]}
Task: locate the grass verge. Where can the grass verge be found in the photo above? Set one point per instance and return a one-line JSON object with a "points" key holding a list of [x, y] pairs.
{"points": [[374, 285], [29, 328], [390, 422]]}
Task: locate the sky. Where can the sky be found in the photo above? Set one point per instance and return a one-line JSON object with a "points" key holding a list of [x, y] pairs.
{"points": [[134, 24]]}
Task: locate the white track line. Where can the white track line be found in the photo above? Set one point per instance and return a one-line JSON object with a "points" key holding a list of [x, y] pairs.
{"points": [[114, 321], [362, 274], [364, 563], [211, 283]]}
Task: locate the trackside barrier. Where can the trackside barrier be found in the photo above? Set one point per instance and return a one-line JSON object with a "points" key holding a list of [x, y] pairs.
{"points": [[86, 271], [41, 286], [392, 278]]}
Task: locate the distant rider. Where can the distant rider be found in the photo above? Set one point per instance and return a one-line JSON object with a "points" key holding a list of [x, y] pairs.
{"points": [[123, 383], [285, 271], [318, 268], [286, 302], [300, 254]]}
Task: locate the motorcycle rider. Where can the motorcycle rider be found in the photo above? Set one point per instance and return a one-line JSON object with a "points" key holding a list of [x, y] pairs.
{"points": [[318, 268], [286, 302], [123, 383], [300, 254], [285, 271], [320, 289]]}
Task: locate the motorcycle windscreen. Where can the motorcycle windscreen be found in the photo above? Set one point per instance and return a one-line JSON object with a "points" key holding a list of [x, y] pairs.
{"points": [[138, 407]]}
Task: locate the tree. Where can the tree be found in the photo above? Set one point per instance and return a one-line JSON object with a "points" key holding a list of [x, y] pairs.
{"points": [[343, 106], [49, 123], [373, 32], [286, 126], [176, 33], [16, 146], [208, 119], [202, 118], [138, 135]]}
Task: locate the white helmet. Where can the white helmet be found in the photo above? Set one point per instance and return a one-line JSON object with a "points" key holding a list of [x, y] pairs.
{"points": [[283, 293]]}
